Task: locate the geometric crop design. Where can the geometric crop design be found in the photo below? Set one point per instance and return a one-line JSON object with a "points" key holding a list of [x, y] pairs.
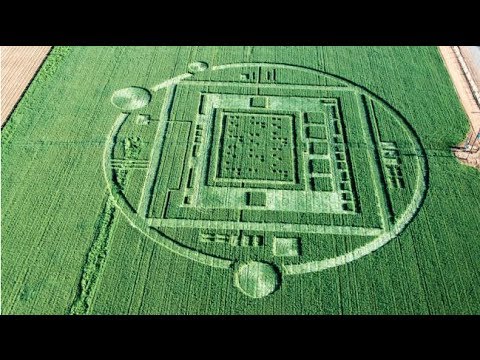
{"points": [[267, 169], [256, 136]]}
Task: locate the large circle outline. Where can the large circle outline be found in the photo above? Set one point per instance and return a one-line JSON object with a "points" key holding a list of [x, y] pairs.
{"points": [[293, 269]]}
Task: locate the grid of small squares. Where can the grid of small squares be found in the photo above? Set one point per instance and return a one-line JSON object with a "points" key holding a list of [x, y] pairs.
{"points": [[256, 147]]}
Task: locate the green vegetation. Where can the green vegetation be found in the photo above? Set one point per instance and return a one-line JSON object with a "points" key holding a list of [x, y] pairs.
{"points": [[131, 98], [286, 247], [257, 198], [94, 262], [167, 180], [256, 279]]}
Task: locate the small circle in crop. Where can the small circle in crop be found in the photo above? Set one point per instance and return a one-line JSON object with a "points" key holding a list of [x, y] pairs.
{"points": [[257, 279], [197, 66], [131, 98]]}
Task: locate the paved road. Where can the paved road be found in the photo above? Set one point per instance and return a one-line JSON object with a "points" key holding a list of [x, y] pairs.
{"points": [[472, 58], [475, 54]]}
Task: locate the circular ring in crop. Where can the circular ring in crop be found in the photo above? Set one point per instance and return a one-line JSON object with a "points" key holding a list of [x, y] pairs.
{"points": [[271, 165]]}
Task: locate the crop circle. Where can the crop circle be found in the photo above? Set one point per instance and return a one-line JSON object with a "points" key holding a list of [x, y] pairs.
{"points": [[131, 98], [257, 168], [257, 279], [197, 66]]}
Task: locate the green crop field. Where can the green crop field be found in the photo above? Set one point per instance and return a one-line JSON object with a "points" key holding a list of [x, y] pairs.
{"points": [[239, 180]]}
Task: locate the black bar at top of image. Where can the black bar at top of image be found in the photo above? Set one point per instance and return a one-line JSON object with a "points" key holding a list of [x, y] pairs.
{"points": [[241, 24]]}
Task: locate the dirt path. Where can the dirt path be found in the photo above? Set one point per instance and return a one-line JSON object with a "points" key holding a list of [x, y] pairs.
{"points": [[466, 97], [18, 65]]}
